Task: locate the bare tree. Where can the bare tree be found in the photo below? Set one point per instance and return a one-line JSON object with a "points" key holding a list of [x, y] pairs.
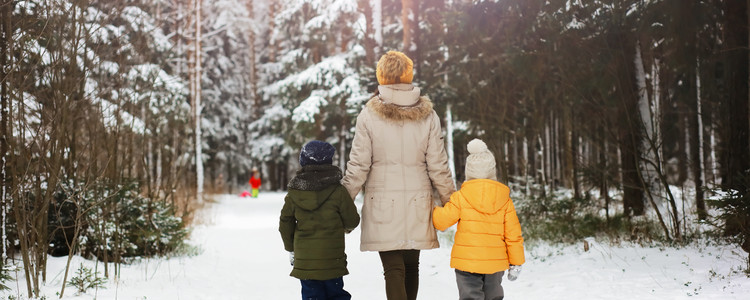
{"points": [[407, 23], [197, 103], [253, 53], [6, 67], [365, 7]]}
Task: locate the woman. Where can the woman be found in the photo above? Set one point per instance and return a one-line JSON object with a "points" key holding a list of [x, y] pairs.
{"points": [[398, 154]]}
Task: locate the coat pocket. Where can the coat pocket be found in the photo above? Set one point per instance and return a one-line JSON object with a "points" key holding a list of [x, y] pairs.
{"points": [[382, 209], [421, 205]]}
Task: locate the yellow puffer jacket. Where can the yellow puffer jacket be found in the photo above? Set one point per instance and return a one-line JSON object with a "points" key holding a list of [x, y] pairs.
{"points": [[489, 237]]}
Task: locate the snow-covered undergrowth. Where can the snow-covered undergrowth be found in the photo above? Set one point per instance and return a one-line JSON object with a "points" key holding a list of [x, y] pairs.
{"points": [[560, 217], [240, 256]]}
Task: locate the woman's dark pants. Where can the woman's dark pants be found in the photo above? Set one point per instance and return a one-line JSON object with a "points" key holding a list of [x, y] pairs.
{"points": [[401, 272]]}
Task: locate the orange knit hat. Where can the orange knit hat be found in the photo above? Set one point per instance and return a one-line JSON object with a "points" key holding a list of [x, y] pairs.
{"points": [[394, 67]]}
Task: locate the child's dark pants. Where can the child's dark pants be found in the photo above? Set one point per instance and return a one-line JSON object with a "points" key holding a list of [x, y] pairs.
{"points": [[331, 289], [473, 286], [401, 271]]}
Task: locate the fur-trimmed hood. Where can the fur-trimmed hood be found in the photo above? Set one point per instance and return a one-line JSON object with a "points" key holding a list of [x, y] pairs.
{"points": [[315, 177], [400, 102]]}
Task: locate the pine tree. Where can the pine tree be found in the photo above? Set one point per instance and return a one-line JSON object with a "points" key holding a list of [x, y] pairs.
{"points": [[315, 83]]}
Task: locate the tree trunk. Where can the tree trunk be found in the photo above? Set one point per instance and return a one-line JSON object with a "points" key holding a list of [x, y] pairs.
{"points": [[546, 154], [629, 137], [686, 30], [544, 160], [273, 175], [735, 147], [407, 15], [365, 6], [449, 141], [735, 159], [198, 107], [603, 165], [253, 63], [647, 115], [174, 152], [78, 222], [6, 40], [529, 158], [631, 184], [273, 9], [416, 45], [159, 171], [377, 24], [570, 152], [23, 240], [557, 150], [574, 164], [696, 155]]}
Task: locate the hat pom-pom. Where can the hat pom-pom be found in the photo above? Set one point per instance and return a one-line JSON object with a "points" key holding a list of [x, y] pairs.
{"points": [[476, 146]]}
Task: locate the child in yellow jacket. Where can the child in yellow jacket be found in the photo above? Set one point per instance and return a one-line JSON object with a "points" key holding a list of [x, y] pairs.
{"points": [[488, 240]]}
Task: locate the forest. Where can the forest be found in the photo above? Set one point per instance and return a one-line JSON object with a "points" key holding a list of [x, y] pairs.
{"points": [[120, 118]]}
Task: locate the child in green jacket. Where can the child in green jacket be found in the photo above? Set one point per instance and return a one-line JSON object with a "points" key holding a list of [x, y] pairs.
{"points": [[317, 212]]}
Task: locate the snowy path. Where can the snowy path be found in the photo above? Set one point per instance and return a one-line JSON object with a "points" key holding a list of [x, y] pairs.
{"points": [[242, 257]]}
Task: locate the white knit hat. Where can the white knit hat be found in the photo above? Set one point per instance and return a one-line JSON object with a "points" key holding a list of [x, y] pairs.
{"points": [[480, 164]]}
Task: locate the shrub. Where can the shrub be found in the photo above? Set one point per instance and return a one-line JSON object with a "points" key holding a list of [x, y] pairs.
{"points": [[560, 217], [733, 217], [61, 218], [116, 222], [86, 279], [125, 224], [4, 276]]}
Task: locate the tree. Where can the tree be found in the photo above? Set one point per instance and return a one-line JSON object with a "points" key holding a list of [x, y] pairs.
{"points": [[366, 8], [198, 107], [686, 32], [6, 46], [410, 27], [735, 160], [315, 84], [91, 102], [230, 96]]}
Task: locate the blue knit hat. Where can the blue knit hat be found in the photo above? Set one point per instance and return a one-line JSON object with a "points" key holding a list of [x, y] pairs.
{"points": [[316, 153]]}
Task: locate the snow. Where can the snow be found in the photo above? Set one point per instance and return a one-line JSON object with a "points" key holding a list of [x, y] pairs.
{"points": [[310, 107], [110, 113], [140, 20], [241, 256], [575, 24], [324, 73], [110, 67], [330, 14]]}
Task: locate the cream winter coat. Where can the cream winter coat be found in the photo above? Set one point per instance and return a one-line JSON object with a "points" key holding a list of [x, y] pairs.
{"points": [[398, 154]]}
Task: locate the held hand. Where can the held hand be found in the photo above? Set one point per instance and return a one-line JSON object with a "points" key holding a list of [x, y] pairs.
{"points": [[291, 258], [513, 272], [436, 202]]}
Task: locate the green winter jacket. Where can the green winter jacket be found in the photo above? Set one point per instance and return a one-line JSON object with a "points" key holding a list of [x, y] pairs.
{"points": [[317, 212]]}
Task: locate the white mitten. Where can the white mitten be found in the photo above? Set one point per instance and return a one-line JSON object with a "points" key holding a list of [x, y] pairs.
{"points": [[513, 272], [291, 258]]}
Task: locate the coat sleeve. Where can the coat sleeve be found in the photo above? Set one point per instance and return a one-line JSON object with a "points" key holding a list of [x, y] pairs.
{"points": [[287, 224], [513, 236], [437, 161], [446, 216], [360, 158], [348, 211]]}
